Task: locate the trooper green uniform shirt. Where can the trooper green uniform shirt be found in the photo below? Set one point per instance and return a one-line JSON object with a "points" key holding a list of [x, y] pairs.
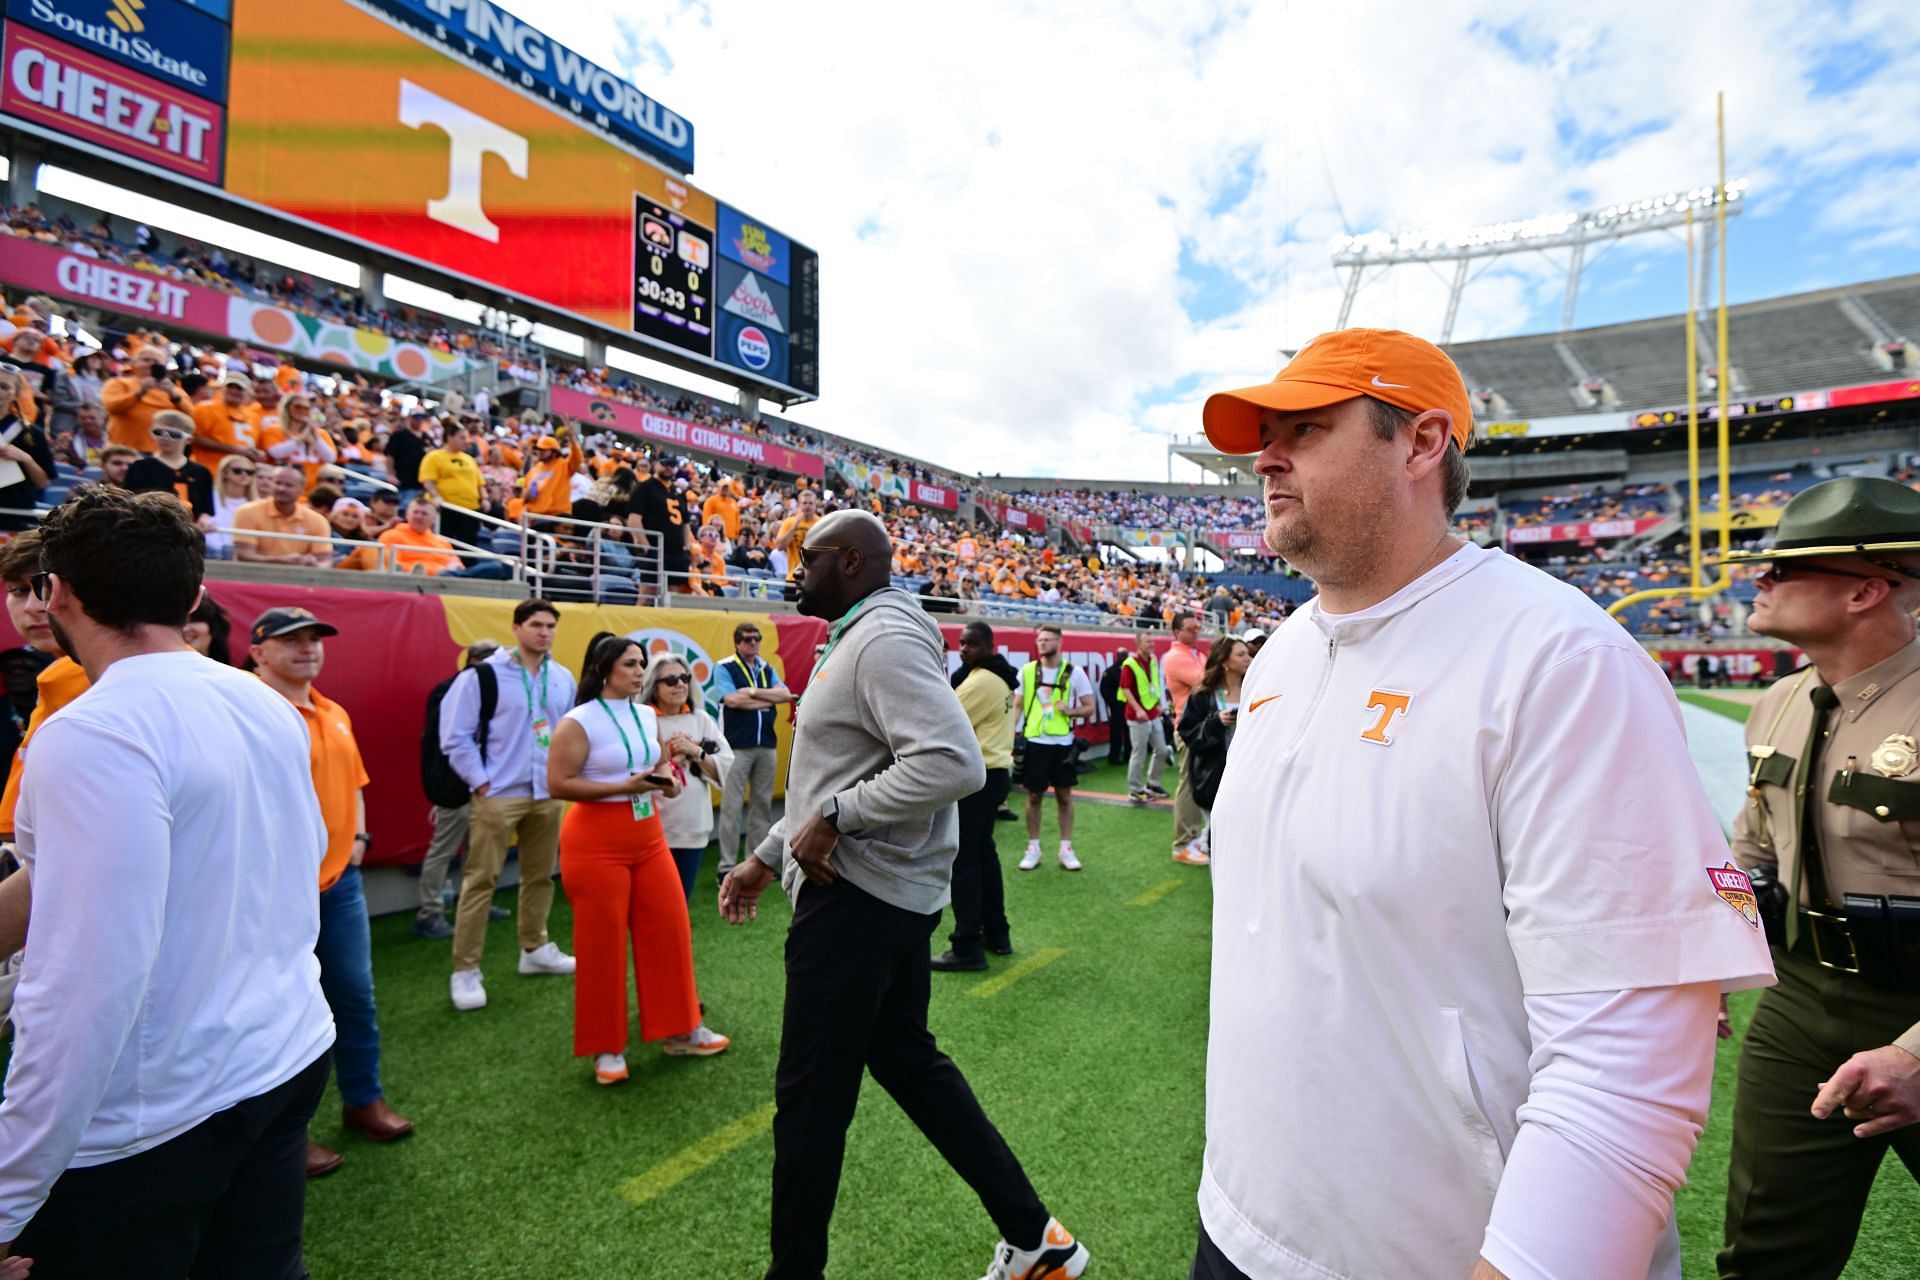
{"points": [[1833, 769], [1864, 775]]}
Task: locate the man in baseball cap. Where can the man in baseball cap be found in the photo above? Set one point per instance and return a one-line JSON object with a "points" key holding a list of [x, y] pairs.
{"points": [[1422, 869], [286, 621]]}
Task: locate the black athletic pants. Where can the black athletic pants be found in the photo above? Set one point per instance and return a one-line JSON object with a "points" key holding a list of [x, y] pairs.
{"points": [[1211, 1264], [857, 990], [979, 895], [225, 1200], [1119, 741], [459, 524]]}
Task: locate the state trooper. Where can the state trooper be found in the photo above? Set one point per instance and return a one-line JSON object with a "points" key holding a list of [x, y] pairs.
{"points": [[1829, 1075]]}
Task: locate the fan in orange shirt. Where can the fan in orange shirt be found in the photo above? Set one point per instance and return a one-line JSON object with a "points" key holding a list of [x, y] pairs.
{"points": [[222, 427], [709, 566], [549, 485], [723, 508], [59, 683]]}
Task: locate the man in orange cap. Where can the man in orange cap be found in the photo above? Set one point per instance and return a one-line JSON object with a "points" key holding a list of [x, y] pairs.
{"points": [[1430, 900], [549, 486]]}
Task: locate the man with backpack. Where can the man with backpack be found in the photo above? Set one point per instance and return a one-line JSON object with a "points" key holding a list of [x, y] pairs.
{"points": [[450, 795]]}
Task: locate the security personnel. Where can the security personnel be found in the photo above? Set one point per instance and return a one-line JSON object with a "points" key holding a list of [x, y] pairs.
{"points": [[1833, 819]]}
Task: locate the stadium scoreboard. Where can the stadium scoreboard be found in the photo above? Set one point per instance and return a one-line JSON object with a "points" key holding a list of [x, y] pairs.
{"points": [[447, 132]]}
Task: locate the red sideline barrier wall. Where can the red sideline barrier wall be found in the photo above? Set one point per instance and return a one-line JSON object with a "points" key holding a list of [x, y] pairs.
{"points": [[394, 647], [1738, 665], [1091, 651]]}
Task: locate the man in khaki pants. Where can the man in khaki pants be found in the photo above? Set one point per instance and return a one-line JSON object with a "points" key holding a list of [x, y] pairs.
{"points": [[504, 761], [1184, 663]]}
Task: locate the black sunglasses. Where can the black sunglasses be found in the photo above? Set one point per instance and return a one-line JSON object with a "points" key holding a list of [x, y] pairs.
{"points": [[1779, 572], [42, 584], [749, 639], [682, 678]]}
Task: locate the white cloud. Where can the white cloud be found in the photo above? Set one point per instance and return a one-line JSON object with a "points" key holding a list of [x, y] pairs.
{"points": [[1000, 192]]}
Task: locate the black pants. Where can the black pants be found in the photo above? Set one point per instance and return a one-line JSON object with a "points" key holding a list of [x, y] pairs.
{"points": [[979, 895], [225, 1200], [459, 524], [857, 990], [1211, 1264], [1119, 741]]}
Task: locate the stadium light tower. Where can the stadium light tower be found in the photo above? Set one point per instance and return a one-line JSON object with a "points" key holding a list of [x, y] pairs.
{"points": [[1378, 252]]}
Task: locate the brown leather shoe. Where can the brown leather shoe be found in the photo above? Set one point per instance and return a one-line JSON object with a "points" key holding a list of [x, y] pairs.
{"points": [[380, 1122], [321, 1162]]}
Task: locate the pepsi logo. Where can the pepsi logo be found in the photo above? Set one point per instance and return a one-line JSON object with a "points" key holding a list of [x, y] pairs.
{"points": [[756, 352]]}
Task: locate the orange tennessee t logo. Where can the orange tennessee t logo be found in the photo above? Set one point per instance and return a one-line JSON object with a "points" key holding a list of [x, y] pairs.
{"points": [[1390, 705]]}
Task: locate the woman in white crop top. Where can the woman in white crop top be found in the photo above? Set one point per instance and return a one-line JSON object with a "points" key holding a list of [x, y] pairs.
{"points": [[619, 874]]}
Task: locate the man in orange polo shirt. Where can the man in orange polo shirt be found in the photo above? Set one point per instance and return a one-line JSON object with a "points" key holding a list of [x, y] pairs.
{"points": [[132, 400], [416, 546], [289, 648], [281, 511]]}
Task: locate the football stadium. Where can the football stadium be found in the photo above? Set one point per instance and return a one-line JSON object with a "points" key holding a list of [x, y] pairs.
{"points": [[1366, 821]]}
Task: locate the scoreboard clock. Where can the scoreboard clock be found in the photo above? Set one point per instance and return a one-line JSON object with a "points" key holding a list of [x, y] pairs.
{"points": [[673, 278]]}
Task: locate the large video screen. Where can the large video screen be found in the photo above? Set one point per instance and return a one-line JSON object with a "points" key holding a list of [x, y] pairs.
{"points": [[350, 121]]}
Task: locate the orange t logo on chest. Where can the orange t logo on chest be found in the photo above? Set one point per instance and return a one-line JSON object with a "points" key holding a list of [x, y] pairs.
{"points": [[1390, 705]]}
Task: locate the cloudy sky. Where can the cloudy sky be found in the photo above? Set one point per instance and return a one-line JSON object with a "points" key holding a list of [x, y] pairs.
{"points": [[1046, 231]]}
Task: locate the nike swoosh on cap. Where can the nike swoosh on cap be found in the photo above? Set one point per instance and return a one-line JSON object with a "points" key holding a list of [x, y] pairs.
{"points": [[1394, 386], [1258, 703]]}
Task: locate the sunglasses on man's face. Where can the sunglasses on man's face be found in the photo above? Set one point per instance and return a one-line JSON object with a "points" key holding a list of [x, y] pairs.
{"points": [[1780, 571], [168, 433], [42, 584], [749, 639]]}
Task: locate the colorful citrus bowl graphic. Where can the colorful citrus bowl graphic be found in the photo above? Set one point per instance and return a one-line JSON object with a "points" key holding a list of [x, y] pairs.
{"points": [[659, 642]]}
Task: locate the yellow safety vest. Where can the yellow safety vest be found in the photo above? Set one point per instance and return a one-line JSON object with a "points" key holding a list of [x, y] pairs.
{"points": [[1148, 682], [1037, 721]]}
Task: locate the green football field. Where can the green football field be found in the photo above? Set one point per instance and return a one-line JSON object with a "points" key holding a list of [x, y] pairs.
{"points": [[1087, 1047]]}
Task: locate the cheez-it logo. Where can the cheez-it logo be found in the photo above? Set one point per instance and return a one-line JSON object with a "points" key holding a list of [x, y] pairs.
{"points": [[1391, 705]]}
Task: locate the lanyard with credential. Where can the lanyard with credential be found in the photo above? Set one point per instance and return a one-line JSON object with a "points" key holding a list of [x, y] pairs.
{"points": [[542, 731], [642, 804], [833, 636]]}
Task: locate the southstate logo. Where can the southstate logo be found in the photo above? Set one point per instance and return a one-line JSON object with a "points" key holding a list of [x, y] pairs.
{"points": [[1390, 705]]}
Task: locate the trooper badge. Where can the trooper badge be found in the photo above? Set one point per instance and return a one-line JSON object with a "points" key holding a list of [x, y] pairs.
{"points": [[1897, 757]]}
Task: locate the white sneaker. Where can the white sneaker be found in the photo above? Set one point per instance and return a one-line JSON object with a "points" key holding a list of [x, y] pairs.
{"points": [[610, 1068], [1059, 1257], [546, 958], [1067, 861], [701, 1042], [1032, 858], [468, 993]]}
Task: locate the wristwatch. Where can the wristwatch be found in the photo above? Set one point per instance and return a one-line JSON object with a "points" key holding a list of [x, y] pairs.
{"points": [[831, 812], [366, 841]]}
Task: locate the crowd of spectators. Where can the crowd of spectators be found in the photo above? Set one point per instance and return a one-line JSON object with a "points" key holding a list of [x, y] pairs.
{"points": [[1600, 502], [281, 466]]}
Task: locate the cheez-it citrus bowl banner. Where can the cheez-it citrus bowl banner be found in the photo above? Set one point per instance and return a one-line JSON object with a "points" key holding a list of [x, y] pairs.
{"points": [[352, 123]]}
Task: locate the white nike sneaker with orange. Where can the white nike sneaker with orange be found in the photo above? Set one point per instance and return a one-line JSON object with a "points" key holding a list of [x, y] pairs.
{"points": [[1059, 1257]]}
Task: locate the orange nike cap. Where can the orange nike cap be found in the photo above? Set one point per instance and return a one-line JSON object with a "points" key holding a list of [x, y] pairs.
{"points": [[1404, 371]]}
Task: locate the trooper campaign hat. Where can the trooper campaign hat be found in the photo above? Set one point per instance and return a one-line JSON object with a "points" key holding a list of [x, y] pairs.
{"points": [[1852, 515]]}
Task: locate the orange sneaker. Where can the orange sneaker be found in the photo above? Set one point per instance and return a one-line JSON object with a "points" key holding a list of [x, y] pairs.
{"points": [[1192, 856], [610, 1068], [697, 1043]]}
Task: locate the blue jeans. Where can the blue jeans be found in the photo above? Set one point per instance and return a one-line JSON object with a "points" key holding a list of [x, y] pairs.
{"points": [[687, 862], [345, 950], [480, 569]]}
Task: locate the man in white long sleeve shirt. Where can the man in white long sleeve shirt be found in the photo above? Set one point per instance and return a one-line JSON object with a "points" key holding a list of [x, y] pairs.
{"points": [[172, 1032], [1472, 911], [502, 756]]}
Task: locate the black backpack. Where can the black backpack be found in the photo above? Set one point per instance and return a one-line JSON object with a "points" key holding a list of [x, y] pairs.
{"points": [[442, 784]]}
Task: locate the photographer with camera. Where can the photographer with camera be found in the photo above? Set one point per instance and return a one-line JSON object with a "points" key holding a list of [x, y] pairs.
{"points": [[1827, 833], [697, 752], [133, 399]]}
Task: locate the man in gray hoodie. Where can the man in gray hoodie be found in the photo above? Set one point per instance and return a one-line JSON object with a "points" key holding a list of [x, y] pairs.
{"points": [[881, 754]]}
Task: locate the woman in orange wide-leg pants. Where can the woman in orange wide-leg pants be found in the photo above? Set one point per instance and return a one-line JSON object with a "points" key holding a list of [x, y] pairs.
{"points": [[618, 872]]}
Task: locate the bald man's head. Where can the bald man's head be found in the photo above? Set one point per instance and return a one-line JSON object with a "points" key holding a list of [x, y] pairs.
{"points": [[846, 557]]}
